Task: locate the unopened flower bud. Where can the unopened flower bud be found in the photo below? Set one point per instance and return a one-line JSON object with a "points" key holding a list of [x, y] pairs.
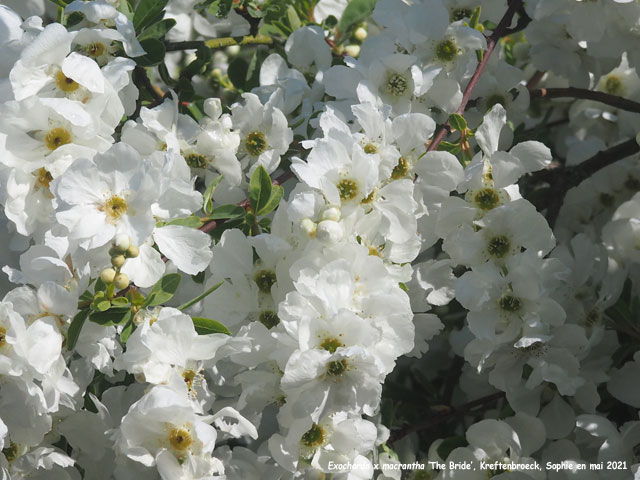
{"points": [[118, 260], [352, 50], [331, 213], [133, 251], [107, 275], [329, 231], [121, 281], [309, 227], [122, 242], [360, 34]]}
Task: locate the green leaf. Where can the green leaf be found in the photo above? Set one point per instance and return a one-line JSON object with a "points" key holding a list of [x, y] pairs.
{"points": [[157, 30], [163, 290], [450, 444], [475, 17], [146, 12], [207, 200], [74, 329], [127, 331], [203, 57], [294, 19], [227, 211], [113, 316], [259, 189], [450, 147], [155, 52], [355, 12], [200, 297], [103, 306], [237, 72], [457, 122], [191, 221], [276, 195], [219, 8], [120, 301], [206, 326]]}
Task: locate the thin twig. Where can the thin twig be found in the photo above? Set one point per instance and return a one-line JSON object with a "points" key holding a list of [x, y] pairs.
{"points": [[562, 179], [535, 79], [218, 43], [584, 94], [441, 417], [500, 31]]}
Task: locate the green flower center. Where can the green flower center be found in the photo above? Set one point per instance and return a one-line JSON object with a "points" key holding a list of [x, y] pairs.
{"points": [[65, 83], [613, 85], [336, 368], [95, 49], [269, 319], [115, 207], [397, 84], [256, 143], [265, 280], [348, 189], [197, 160], [57, 137], [331, 344], [314, 437], [446, 50], [460, 13], [180, 439], [498, 246], [370, 148], [401, 169], [3, 337], [510, 303], [486, 199]]}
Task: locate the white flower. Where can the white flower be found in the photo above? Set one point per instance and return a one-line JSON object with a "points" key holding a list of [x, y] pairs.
{"points": [[107, 196]]}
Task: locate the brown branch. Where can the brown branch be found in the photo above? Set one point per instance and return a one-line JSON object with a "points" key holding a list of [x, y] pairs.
{"points": [[441, 417], [562, 178], [584, 94], [500, 31], [535, 79]]}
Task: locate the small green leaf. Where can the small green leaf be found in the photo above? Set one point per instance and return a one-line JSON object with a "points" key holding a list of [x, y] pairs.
{"points": [[276, 195], [203, 57], [475, 17], [259, 189], [192, 221], [120, 301], [103, 306], [207, 200], [449, 147], [237, 72], [163, 290], [127, 331], [157, 30], [227, 211], [206, 326], [146, 12], [457, 122], [200, 297], [155, 53], [113, 316], [76, 326], [294, 19]]}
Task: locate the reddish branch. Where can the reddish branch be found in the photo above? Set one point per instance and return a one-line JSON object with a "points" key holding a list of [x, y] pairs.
{"points": [[584, 94], [441, 417], [501, 30]]}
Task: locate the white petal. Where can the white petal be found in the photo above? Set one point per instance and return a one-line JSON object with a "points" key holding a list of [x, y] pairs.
{"points": [[186, 247]]}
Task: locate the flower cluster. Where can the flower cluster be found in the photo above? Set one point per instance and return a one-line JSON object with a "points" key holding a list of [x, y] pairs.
{"points": [[266, 239]]}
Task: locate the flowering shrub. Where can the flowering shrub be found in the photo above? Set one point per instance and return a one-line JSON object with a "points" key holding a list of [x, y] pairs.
{"points": [[269, 239]]}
